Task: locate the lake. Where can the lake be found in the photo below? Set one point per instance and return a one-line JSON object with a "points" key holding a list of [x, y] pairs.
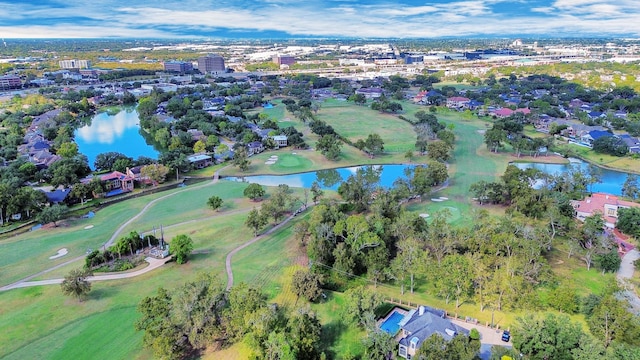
{"points": [[612, 181], [328, 179], [119, 132]]}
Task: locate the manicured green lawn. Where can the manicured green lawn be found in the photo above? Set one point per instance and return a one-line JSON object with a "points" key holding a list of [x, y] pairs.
{"points": [[356, 122], [340, 338]]}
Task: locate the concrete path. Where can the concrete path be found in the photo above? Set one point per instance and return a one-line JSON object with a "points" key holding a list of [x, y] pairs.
{"points": [[153, 264]]}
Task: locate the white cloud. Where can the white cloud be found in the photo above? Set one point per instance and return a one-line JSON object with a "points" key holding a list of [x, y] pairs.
{"points": [[334, 18]]}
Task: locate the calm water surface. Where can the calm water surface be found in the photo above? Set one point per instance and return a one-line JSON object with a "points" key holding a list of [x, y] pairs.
{"points": [[119, 132], [612, 181], [328, 179]]}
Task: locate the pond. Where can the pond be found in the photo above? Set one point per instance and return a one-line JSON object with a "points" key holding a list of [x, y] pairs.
{"points": [[109, 132], [611, 180], [328, 179]]}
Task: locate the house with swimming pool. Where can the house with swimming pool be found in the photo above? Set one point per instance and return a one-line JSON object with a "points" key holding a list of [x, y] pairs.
{"points": [[413, 327]]}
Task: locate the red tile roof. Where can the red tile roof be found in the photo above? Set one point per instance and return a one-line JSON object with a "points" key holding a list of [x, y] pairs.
{"points": [[597, 202]]}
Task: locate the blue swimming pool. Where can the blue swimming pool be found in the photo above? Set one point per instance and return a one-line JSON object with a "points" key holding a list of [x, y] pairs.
{"points": [[392, 324]]}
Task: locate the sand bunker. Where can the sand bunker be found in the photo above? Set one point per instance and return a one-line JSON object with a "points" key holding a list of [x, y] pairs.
{"points": [[88, 227], [424, 216], [62, 252], [269, 162], [444, 198], [437, 200]]}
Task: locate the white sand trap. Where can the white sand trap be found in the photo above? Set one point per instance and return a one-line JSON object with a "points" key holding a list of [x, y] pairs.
{"points": [[269, 162], [293, 154], [62, 252], [437, 200], [88, 227], [444, 198], [424, 216], [275, 157]]}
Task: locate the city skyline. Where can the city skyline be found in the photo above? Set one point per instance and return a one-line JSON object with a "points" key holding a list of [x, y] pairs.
{"points": [[331, 18]]}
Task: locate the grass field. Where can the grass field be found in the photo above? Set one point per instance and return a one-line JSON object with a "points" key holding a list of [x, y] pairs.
{"points": [[42, 320], [356, 122]]}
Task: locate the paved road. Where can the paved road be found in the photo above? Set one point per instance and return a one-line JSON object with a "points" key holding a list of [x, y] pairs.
{"points": [[153, 264], [626, 267], [625, 272]]}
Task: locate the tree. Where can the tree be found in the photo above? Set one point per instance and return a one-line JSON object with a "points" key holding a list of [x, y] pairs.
{"points": [[181, 246], [629, 221], [374, 144], [409, 255], [254, 192], [68, 150], [75, 283], [161, 335], [52, 214], [157, 173], [378, 345], [610, 145], [360, 303], [279, 203], [329, 145], [610, 320], [199, 147], [548, 337], [630, 187], [304, 335], [316, 192], [609, 261], [215, 202], [105, 161], [256, 220], [439, 151], [241, 159], [494, 138], [307, 285]]}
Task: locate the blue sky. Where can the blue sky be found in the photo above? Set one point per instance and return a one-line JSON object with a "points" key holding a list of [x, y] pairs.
{"points": [[311, 18]]}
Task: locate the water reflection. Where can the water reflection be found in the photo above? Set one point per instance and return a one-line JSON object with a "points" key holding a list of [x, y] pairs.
{"points": [[114, 132], [106, 129], [331, 179]]}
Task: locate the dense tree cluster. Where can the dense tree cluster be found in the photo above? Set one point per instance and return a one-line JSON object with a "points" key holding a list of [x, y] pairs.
{"points": [[201, 313]]}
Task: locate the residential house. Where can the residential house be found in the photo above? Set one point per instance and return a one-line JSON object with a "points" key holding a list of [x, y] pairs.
{"points": [[281, 140], [197, 135], [458, 102], [200, 161], [506, 112], [56, 196], [607, 205], [370, 93], [632, 142], [594, 135], [117, 183], [43, 158], [254, 147], [419, 324]]}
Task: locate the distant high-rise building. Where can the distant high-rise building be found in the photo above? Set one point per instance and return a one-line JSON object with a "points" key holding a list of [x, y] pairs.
{"points": [[211, 63], [10, 82], [284, 60], [74, 64], [178, 66], [412, 59]]}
